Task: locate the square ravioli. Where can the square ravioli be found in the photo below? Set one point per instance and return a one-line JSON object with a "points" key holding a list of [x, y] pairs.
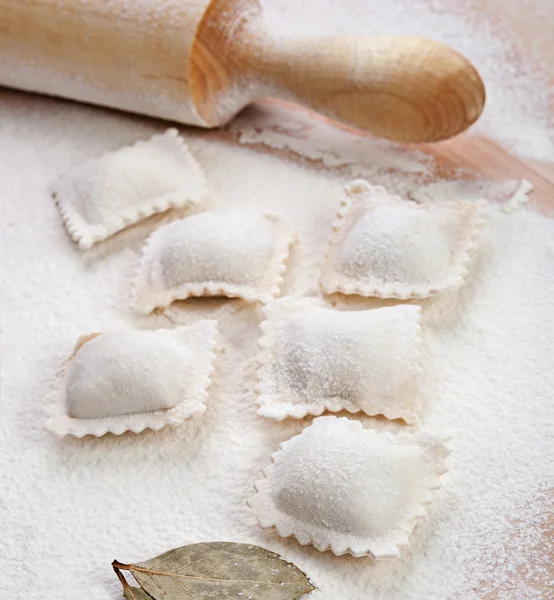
{"points": [[228, 253], [314, 359], [386, 247], [347, 489], [134, 380], [118, 189]]}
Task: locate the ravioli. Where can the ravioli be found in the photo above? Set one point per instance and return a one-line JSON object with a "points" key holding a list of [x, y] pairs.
{"points": [[386, 247], [314, 359], [133, 380], [229, 253], [107, 194], [347, 489]]}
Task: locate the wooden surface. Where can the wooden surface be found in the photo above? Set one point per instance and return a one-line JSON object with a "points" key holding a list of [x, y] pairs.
{"points": [[466, 156], [483, 158], [200, 62]]}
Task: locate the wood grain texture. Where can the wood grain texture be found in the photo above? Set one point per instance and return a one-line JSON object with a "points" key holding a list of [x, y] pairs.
{"points": [[115, 54], [481, 158], [200, 62], [406, 89]]}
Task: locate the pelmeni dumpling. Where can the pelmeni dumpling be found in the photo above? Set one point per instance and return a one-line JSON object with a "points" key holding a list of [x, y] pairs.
{"points": [[314, 359], [348, 489], [228, 253], [133, 380], [109, 193], [384, 246]]}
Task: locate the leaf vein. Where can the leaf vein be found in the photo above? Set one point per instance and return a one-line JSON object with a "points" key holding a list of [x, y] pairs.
{"points": [[197, 578]]}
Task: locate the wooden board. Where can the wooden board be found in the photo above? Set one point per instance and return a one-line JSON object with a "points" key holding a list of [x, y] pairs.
{"points": [[465, 156], [486, 159]]}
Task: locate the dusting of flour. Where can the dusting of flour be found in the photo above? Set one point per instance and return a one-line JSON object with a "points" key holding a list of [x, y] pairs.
{"points": [[69, 507]]}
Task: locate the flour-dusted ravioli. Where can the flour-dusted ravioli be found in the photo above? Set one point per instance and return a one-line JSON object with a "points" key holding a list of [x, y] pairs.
{"points": [[109, 193], [348, 489], [314, 359], [384, 246], [133, 380], [228, 253]]}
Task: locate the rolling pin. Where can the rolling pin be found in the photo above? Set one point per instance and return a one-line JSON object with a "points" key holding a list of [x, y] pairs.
{"points": [[201, 61]]}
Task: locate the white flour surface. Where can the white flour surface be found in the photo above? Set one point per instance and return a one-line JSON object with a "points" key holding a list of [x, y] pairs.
{"points": [[69, 507]]}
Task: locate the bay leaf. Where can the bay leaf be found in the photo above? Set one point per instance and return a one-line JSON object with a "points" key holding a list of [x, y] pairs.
{"points": [[129, 592], [219, 570], [135, 593]]}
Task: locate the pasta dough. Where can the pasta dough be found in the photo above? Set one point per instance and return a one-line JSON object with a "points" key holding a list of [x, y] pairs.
{"points": [[106, 194], [133, 380], [314, 359], [386, 247], [348, 489], [228, 253]]}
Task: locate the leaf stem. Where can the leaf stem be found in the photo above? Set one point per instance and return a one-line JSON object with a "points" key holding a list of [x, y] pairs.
{"points": [[116, 566]]}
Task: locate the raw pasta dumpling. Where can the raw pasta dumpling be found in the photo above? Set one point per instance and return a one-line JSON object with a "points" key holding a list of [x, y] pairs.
{"points": [[384, 246], [348, 489], [228, 253], [106, 194], [314, 359], [133, 380]]}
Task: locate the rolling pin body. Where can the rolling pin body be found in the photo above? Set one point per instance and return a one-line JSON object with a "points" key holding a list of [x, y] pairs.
{"points": [[200, 61]]}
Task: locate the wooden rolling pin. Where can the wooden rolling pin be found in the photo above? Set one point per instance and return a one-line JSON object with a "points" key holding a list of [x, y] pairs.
{"points": [[201, 61]]}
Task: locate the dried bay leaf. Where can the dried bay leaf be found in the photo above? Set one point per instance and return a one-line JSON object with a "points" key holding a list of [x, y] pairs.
{"points": [[219, 570], [135, 593], [129, 592]]}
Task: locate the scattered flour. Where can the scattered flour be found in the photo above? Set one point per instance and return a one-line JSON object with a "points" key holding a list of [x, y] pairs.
{"points": [[291, 128], [69, 507], [318, 142]]}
